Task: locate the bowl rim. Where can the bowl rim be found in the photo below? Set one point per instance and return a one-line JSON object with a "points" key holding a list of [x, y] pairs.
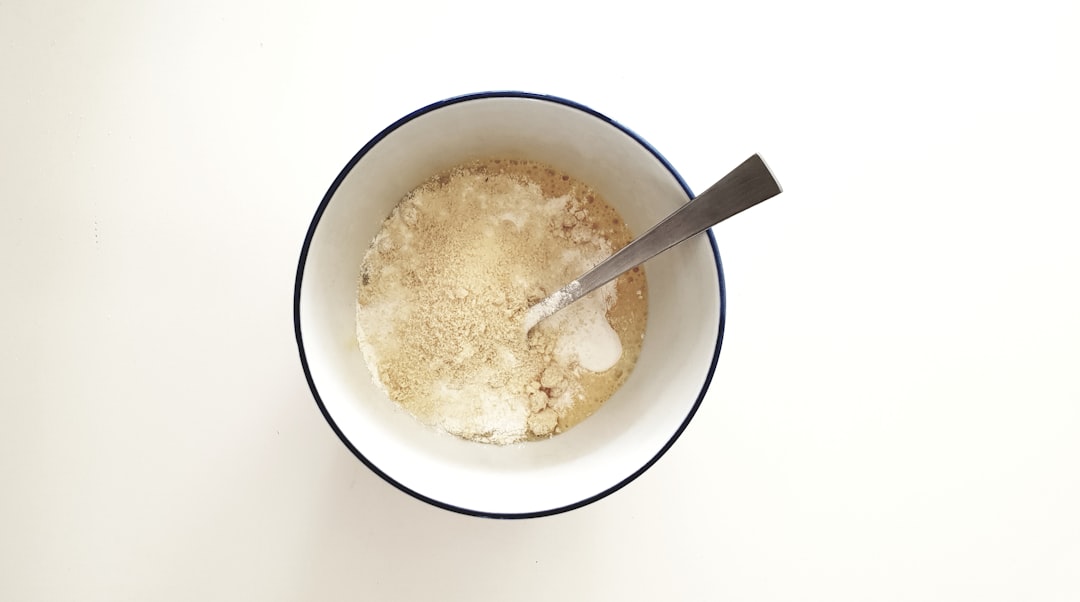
{"points": [[303, 261]]}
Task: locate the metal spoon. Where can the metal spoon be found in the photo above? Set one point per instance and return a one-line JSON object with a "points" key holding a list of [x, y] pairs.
{"points": [[746, 186]]}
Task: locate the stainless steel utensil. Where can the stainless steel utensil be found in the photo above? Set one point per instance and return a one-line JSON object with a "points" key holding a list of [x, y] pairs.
{"points": [[747, 185]]}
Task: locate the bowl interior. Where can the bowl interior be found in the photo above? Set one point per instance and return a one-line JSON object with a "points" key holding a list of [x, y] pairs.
{"points": [[629, 431]]}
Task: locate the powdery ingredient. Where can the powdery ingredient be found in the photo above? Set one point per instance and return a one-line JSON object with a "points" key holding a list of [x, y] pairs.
{"points": [[551, 304], [443, 295]]}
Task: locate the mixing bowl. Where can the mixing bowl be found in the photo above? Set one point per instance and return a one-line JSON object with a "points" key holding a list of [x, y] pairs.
{"points": [[631, 431]]}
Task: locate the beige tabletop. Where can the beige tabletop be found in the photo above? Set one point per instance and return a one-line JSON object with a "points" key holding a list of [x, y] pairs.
{"points": [[896, 409]]}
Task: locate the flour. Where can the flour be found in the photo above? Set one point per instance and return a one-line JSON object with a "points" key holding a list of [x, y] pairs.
{"points": [[553, 303], [444, 292]]}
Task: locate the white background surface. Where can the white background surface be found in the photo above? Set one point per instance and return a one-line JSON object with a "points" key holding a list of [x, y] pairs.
{"points": [[896, 409]]}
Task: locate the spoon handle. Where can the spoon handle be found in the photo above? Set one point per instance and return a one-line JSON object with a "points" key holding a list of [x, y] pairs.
{"points": [[747, 185]]}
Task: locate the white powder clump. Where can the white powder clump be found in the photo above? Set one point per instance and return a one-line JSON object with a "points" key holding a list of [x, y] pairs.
{"points": [[551, 304], [585, 335]]}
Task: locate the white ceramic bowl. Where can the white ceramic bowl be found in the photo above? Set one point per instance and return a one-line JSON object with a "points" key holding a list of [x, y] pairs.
{"points": [[630, 431]]}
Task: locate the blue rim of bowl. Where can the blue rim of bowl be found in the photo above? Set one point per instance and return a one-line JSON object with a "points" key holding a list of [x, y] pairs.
{"points": [[300, 277]]}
